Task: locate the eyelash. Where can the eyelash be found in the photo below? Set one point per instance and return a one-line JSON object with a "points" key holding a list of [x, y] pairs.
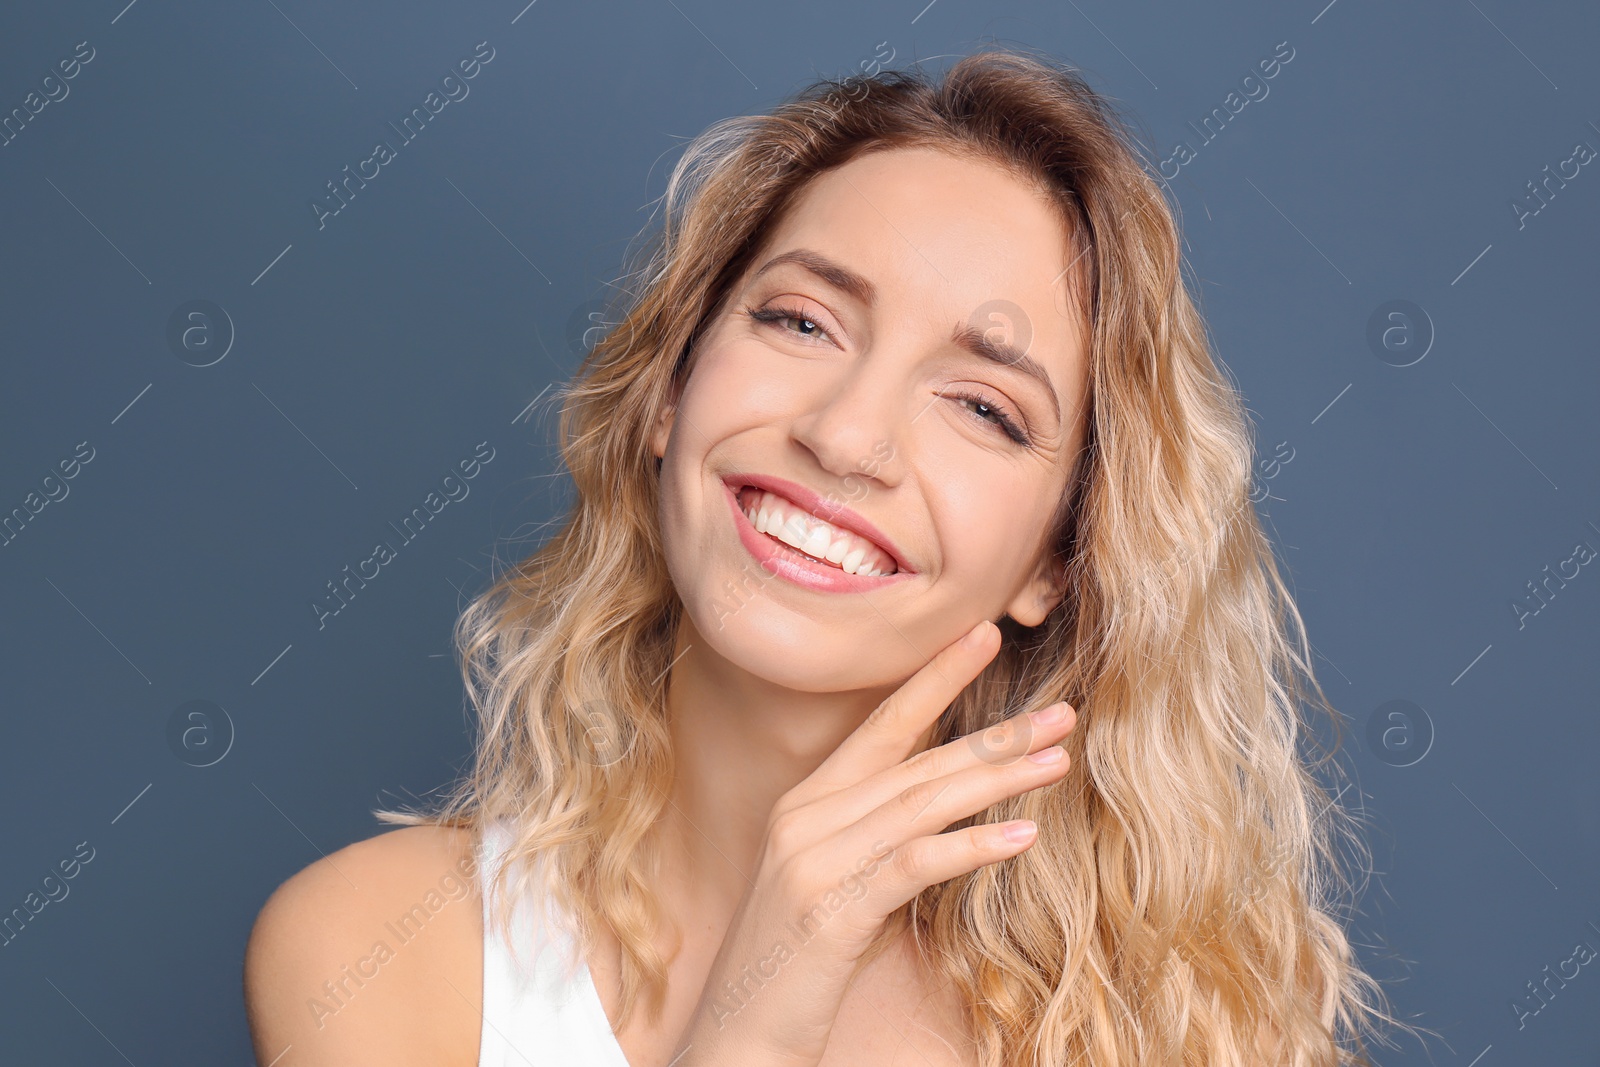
{"points": [[772, 315], [1005, 423]]}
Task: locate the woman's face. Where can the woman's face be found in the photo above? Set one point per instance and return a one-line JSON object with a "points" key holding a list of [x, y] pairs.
{"points": [[860, 364]]}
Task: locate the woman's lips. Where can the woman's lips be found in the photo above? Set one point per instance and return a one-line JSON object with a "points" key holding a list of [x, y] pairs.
{"points": [[783, 561], [869, 556], [826, 508]]}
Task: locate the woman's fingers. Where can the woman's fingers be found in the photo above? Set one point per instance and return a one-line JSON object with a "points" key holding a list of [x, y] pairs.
{"points": [[891, 732], [1000, 745], [911, 824], [929, 806], [928, 861]]}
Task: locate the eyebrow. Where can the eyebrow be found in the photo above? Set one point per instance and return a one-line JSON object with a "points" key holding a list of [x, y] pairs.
{"points": [[841, 278], [968, 337], [977, 342]]}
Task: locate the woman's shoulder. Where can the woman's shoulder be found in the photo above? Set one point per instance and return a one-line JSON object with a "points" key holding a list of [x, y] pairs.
{"points": [[372, 955]]}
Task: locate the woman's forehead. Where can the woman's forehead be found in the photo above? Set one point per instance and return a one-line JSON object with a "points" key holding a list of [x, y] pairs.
{"points": [[930, 228]]}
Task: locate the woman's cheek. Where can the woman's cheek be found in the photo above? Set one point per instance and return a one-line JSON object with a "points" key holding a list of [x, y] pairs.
{"points": [[977, 513]]}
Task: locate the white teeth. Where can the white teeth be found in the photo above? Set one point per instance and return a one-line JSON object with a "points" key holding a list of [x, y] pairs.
{"points": [[776, 517], [794, 531], [817, 544]]}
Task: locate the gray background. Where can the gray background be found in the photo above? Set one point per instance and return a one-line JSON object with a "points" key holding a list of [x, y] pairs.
{"points": [[372, 355]]}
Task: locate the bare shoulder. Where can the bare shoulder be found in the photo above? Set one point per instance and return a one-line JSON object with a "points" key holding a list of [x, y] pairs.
{"points": [[372, 955]]}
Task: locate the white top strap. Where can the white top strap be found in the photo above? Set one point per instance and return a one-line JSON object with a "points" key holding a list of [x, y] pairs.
{"points": [[542, 1013]]}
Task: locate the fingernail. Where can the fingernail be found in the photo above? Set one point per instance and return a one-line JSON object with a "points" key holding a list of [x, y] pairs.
{"points": [[975, 635], [1052, 754], [1051, 715], [1021, 831]]}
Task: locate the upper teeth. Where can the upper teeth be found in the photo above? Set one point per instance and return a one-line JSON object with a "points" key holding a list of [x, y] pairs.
{"points": [[788, 522]]}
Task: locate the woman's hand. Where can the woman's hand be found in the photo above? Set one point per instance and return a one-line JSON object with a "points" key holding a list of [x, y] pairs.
{"points": [[853, 842]]}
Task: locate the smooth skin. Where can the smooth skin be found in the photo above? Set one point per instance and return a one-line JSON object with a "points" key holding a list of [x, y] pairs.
{"points": [[800, 718]]}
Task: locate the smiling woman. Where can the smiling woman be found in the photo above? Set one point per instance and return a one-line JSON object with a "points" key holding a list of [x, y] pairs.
{"points": [[972, 774]]}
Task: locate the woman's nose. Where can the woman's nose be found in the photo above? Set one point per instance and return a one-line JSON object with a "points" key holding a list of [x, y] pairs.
{"points": [[855, 428]]}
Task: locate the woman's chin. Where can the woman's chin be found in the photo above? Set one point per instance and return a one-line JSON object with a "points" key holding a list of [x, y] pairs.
{"points": [[807, 655]]}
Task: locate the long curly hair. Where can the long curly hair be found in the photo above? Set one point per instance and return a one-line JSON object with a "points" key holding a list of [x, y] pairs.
{"points": [[1185, 900]]}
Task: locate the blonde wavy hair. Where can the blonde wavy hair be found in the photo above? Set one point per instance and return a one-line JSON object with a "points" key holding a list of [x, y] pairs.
{"points": [[1184, 901]]}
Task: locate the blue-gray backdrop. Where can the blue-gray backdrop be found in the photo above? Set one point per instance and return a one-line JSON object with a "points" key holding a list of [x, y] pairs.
{"points": [[218, 395]]}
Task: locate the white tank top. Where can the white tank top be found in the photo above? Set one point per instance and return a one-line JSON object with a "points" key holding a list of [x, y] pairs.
{"points": [[541, 1012]]}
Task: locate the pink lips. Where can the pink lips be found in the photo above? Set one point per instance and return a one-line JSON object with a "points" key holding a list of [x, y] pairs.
{"points": [[786, 562]]}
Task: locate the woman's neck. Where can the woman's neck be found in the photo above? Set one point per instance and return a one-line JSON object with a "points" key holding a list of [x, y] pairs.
{"points": [[741, 743]]}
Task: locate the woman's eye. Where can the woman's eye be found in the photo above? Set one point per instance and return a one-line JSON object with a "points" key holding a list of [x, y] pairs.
{"points": [[778, 316], [986, 410]]}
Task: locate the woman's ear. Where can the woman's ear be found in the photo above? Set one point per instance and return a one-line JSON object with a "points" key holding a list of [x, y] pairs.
{"points": [[1044, 591], [662, 430]]}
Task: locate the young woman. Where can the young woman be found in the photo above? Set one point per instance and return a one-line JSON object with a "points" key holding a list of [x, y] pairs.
{"points": [[911, 682]]}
